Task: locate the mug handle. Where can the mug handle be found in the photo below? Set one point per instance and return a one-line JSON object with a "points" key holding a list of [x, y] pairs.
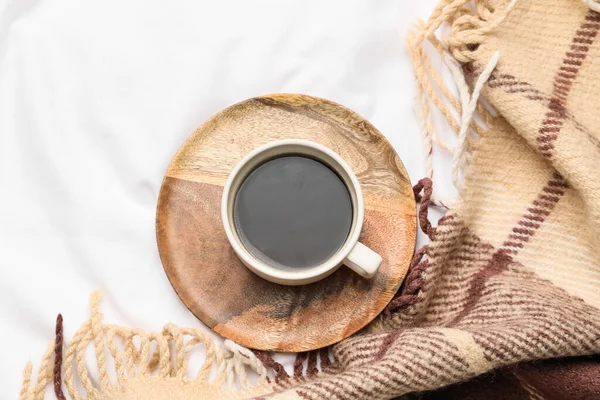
{"points": [[363, 260]]}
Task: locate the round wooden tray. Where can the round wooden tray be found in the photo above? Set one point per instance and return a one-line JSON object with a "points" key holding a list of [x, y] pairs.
{"points": [[219, 289]]}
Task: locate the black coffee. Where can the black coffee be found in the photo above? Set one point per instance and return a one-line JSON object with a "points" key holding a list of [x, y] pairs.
{"points": [[293, 212]]}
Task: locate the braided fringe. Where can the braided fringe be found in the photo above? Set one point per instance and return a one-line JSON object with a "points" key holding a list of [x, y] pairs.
{"points": [[136, 354], [469, 31], [408, 293], [58, 358], [318, 360], [320, 356]]}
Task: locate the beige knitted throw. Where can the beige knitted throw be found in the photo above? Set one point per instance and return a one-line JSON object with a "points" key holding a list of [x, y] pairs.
{"points": [[512, 272]]}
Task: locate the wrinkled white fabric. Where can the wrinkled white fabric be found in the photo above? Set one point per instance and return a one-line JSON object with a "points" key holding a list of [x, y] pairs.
{"points": [[96, 97]]}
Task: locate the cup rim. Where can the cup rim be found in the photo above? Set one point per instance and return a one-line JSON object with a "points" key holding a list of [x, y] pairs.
{"points": [[309, 274]]}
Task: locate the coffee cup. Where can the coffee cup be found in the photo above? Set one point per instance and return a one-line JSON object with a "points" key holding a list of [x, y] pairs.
{"points": [[293, 211]]}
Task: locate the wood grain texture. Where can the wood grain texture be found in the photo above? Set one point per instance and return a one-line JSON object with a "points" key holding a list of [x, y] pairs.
{"points": [[219, 289]]}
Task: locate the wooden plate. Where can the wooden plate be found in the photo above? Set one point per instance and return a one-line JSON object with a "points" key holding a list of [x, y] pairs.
{"points": [[219, 289]]}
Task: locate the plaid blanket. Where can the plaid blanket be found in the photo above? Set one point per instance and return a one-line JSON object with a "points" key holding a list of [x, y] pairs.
{"points": [[512, 273]]}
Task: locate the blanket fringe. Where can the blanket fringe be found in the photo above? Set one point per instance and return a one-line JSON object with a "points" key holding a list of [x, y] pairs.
{"points": [[134, 354], [58, 358], [457, 50], [408, 293]]}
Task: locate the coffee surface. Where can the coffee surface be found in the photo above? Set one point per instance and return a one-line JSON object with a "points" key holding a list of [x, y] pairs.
{"points": [[293, 212]]}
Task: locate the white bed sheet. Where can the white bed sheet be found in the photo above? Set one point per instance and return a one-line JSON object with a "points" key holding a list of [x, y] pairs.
{"points": [[96, 97]]}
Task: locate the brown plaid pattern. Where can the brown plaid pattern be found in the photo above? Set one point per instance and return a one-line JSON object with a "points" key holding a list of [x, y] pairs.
{"points": [[513, 271]]}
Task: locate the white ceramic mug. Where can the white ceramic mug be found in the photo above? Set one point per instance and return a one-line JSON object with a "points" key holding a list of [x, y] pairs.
{"points": [[353, 254]]}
